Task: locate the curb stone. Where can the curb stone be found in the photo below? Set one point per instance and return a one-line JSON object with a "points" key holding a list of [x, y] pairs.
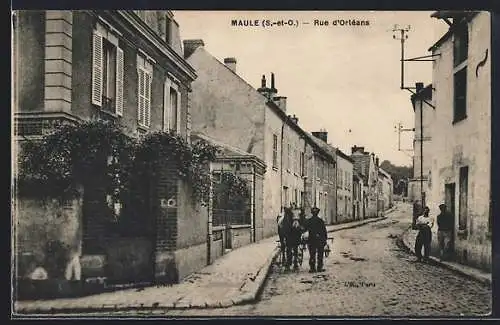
{"points": [[456, 268]]}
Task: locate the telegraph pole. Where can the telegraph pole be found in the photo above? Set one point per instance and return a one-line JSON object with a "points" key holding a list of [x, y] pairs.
{"points": [[402, 37]]}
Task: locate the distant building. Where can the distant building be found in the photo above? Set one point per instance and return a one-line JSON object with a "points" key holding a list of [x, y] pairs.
{"points": [[357, 196], [386, 190], [344, 187], [417, 185], [321, 184], [365, 165]]}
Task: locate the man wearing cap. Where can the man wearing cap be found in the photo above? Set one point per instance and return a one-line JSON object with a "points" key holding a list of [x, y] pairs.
{"points": [[316, 241], [445, 230]]}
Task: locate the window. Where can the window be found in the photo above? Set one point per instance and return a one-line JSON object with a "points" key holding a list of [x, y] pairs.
{"points": [[462, 203], [171, 106], [460, 44], [107, 71], [460, 53], [460, 95], [285, 193], [288, 157], [145, 76], [275, 150], [302, 168]]}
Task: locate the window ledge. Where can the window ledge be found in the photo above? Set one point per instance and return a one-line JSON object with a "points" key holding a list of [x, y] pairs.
{"points": [[457, 120], [114, 115], [142, 127]]}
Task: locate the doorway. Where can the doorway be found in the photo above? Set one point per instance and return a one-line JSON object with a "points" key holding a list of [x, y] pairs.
{"points": [[449, 201]]}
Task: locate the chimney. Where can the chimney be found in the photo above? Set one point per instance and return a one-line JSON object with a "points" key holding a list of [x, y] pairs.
{"points": [[419, 86], [281, 102], [321, 134], [230, 63], [191, 45], [376, 161], [268, 92], [357, 149], [294, 118]]}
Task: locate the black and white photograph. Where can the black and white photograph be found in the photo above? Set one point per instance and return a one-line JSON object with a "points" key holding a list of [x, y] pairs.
{"points": [[194, 163]]}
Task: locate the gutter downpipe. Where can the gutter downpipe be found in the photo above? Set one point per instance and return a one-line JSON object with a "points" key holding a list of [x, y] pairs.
{"points": [[281, 166]]}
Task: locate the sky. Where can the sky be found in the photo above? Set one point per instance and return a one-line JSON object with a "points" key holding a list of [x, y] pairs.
{"points": [[345, 79]]}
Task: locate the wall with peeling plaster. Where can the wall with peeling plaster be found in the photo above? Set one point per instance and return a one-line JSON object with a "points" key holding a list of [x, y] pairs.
{"points": [[465, 143]]}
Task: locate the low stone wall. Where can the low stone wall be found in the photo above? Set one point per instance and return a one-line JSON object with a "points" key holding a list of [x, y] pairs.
{"points": [[240, 235], [39, 222], [129, 260], [190, 259], [217, 245]]}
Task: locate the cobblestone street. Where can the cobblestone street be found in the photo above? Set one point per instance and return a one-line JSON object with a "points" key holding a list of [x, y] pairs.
{"points": [[367, 274]]}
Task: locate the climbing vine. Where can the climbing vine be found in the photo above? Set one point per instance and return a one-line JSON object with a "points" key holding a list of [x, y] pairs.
{"points": [[74, 155]]}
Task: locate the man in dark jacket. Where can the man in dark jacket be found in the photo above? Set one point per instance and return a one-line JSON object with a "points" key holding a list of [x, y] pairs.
{"points": [[445, 230], [316, 241]]}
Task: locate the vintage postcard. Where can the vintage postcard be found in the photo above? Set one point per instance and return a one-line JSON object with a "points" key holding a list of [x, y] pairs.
{"points": [[251, 163]]}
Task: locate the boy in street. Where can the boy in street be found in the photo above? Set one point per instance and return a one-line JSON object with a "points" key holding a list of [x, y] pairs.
{"points": [[445, 229], [424, 223], [316, 241]]}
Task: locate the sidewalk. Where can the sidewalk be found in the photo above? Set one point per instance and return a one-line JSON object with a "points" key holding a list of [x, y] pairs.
{"points": [[409, 237], [233, 279]]}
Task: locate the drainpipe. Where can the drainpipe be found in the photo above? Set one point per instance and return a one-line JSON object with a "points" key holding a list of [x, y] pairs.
{"points": [[303, 174], [210, 217], [336, 190], [281, 165], [253, 203]]}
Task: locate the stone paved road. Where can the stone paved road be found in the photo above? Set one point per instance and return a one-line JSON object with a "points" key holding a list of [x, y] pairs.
{"points": [[367, 275]]}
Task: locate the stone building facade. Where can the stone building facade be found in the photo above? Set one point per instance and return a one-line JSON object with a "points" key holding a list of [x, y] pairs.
{"points": [[224, 106], [344, 187], [365, 164], [124, 66], [460, 148]]}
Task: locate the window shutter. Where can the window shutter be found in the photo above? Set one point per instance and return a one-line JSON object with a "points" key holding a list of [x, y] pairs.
{"points": [[178, 112], [97, 57], [166, 106], [140, 97], [147, 99], [119, 82]]}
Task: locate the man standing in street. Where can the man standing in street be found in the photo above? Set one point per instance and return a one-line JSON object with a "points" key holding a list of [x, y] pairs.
{"points": [[316, 241], [417, 210], [445, 230], [424, 225]]}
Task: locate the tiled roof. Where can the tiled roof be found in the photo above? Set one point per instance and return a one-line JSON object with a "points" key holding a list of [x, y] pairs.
{"points": [[361, 163]]}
